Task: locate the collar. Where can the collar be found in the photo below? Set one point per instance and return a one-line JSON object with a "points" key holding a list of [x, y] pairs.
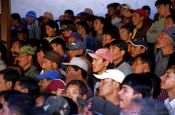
{"points": [[170, 104]]}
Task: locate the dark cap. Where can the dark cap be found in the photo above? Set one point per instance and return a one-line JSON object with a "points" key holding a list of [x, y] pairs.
{"points": [[76, 46], [76, 35], [171, 33], [139, 42], [69, 27]]}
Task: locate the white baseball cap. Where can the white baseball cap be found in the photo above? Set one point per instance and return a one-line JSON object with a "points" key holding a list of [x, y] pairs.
{"points": [[78, 61], [114, 74]]}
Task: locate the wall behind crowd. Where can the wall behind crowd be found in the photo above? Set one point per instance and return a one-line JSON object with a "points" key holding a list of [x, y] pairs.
{"points": [[57, 7]]}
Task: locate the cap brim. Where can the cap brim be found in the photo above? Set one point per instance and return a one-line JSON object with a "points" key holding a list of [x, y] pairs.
{"points": [[137, 45], [67, 64], [93, 55], [100, 76], [40, 76]]}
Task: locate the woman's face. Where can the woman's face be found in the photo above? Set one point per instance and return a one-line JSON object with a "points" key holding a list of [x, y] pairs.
{"points": [[73, 91], [50, 31]]}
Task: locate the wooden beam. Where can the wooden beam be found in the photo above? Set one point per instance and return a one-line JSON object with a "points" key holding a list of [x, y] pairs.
{"points": [[5, 21]]}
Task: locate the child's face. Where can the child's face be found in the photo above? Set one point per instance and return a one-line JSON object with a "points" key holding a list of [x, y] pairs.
{"points": [[73, 92], [168, 23]]}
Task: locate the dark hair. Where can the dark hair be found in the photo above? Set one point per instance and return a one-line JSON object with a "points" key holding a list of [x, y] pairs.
{"points": [[113, 5], [121, 44], [84, 25], [146, 8], [155, 84], [139, 84], [128, 28], [60, 42], [113, 32], [31, 84], [70, 12], [3, 51], [16, 16], [164, 2], [53, 24], [145, 58], [83, 72], [149, 106], [83, 88], [73, 106], [10, 75], [21, 103]]}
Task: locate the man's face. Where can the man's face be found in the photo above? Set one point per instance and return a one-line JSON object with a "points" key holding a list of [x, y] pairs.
{"points": [[168, 80], [97, 25], [43, 83], [124, 34], [3, 83], [116, 52], [162, 9], [66, 33], [71, 74], [18, 87], [50, 31], [106, 87], [126, 94], [40, 58], [23, 60], [163, 40], [106, 39], [48, 65], [136, 50], [98, 65], [111, 11], [138, 66], [137, 19]]}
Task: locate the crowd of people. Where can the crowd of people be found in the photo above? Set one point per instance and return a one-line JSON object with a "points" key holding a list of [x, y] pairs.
{"points": [[120, 64]]}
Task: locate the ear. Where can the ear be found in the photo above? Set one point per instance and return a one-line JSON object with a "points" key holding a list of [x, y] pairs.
{"points": [[122, 52], [143, 50], [106, 63], [9, 84], [130, 34], [146, 67], [25, 90]]}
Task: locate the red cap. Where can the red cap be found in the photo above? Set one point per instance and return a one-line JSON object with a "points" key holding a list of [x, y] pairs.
{"points": [[141, 12], [56, 84]]}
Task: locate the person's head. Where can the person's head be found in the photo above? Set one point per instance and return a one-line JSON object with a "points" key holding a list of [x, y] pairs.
{"points": [[82, 27], [15, 19], [134, 86], [40, 54], [147, 10], [51, 28], [75, 89], [113, 9], [46, 78], [67, 29], [51, 61], [57, 87], [138, 47], [69, 14], [27, 85], [138, 17], [146, 106], [125, 32], [111, 78], [118, 49], [163, 7], [124, 9], [170, 22], [99, 24], [101, 59], [18, 104], [168, 79], [74, 37], [22, 35], [25, 56], [166, 39], [40, 99], [75, 49], [142, 64], [77, 69], [8, 77], [58, 45], [30, 17], [110, 35]]}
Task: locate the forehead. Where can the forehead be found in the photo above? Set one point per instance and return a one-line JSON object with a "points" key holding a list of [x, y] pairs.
{"points": [[125, 86]]}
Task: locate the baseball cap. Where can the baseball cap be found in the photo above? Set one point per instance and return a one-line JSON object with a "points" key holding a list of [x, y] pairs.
{"points": [[76, 46], [103, 53], [114, 74], [56, 104], [76, 35], [71, 27], [56, 84], [141, 12], [139, 42], [88, 11], [49, 75], [78, 61], [31, 14], [26, 50], [171, 33], [127, 6]]}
